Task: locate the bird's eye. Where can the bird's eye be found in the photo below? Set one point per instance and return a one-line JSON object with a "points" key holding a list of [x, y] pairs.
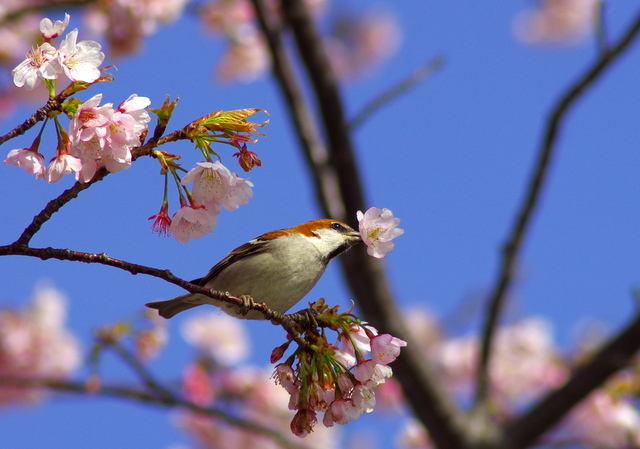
{"points": [[336, 226]]}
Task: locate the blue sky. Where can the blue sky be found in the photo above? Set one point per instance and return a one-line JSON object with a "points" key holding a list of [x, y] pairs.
{"points": [[450, 159]]}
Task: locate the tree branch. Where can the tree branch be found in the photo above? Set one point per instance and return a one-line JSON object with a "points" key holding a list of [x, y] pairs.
{"points": [[522, 222], [145, 397], [428, 398], [53, 104]]}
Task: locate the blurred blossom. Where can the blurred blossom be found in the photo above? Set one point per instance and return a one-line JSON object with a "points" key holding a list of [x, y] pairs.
{"points": [[197, 385], [424, 326], [149, 342], [34, 344], [603, 421], [362, 42], [556, 22], [413, 436], [222, 337], [50, 29], [252, 395], [124, 23], [246, 58], [222, 17], [524, 362]]}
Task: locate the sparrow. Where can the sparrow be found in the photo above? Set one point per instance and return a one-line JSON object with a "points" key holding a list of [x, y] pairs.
{"points": [[277, 268]]}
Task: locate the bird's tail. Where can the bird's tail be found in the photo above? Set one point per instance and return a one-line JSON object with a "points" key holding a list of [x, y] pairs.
{"points": [[171, 307]]}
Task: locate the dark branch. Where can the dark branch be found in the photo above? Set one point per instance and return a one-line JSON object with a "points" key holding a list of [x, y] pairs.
{"points": [[428, 398], [53, 104], [522, 222]]}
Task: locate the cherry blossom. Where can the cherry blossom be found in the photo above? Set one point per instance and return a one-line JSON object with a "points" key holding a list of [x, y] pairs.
{"points": [[25, 158], [214, 186], [80, 60], [192, 222], [377, 229], [63, 164], [51, 30], [385, 348], [103, 137], [40, 64]]}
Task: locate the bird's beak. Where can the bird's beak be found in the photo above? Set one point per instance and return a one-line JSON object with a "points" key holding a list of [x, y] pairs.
{"points": [[354, 238]]}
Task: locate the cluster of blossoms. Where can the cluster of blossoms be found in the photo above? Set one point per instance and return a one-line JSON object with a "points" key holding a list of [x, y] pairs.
{"points": [[337, 379], [79, 61], [34, 344], [525, 365], [214, 185], [101, 136], [220, 377], [98, 136]]}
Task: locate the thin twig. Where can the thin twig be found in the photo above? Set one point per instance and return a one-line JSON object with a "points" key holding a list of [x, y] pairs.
{"points": [[54, 206], [522, 222], [139, 369], [52, 104], [148, 398], [386, 97]]}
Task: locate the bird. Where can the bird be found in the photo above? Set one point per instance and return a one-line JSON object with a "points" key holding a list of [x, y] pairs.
{"points": [[277, 268]]}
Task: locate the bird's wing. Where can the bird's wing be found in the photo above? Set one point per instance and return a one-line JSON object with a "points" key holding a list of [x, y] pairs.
{"points": [[248, 249]]}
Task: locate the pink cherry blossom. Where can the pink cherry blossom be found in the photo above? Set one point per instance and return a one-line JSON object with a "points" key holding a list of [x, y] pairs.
{"points": [[343, 410], [40, 64], [377, 229], [61, 165], [385, 348], [103, 137], [31, 161], [51, 30], [214, 184], [285, 376], [364, 399], [80, 60], [370, 373], [356, 341], [191, 222]]}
